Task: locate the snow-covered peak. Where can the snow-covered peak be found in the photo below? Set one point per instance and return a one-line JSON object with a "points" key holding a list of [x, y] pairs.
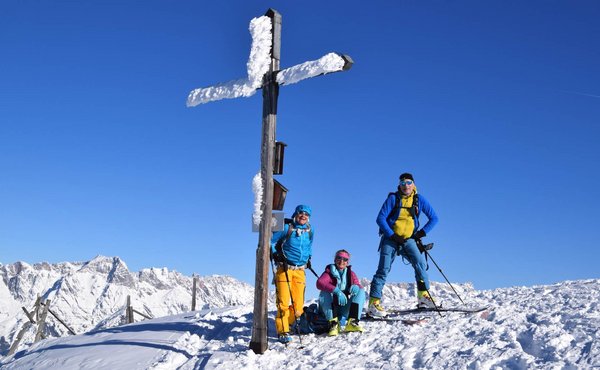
{"points": [[102, 264], [92, 295]]}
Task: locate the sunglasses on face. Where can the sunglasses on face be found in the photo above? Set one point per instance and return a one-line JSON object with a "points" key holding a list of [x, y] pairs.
{"points": [[302, 213], [407, 182], [338, 258]]}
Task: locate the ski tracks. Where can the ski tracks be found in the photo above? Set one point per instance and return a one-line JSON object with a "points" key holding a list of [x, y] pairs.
{"points": [[215, 333]]}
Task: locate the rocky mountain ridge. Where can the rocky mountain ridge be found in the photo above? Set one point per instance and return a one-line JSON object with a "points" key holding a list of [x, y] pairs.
{"points": [[92, 295]]}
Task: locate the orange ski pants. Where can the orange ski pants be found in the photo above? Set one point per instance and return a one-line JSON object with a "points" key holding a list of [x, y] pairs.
{"points": [[286, 313]]}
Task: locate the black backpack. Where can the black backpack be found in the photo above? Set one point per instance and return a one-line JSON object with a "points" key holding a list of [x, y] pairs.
{"points": [[311, 321]]}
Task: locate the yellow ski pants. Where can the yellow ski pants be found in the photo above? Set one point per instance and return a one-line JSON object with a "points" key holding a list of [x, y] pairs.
{"points": [[286, 313]]}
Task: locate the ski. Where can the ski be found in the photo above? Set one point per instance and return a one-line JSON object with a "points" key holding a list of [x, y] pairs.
{"points": [[401, 312], [396, 318]]}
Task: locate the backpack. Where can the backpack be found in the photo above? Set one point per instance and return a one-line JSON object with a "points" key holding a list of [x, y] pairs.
{"points": [[279, 257], [413, 210], [311, 321]]}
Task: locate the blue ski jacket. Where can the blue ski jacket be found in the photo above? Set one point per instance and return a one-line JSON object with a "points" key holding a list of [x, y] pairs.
{"points": [[386, 220], [298, 247]]}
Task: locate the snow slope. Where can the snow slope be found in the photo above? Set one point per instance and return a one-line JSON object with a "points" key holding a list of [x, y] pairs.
{"points": [[540, 327]]}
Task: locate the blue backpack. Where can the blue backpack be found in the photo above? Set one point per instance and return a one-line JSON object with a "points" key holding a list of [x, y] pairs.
{"points": [[311, 321]]}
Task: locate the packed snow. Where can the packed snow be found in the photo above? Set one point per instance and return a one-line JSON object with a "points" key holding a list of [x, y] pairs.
{"points": [[541, 327]]}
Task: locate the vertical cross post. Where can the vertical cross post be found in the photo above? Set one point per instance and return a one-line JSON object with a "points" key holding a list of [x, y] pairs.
{"points": [[258, 343]]}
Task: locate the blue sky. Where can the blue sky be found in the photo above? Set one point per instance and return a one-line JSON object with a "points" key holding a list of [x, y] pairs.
{"points": [[493, 106]]}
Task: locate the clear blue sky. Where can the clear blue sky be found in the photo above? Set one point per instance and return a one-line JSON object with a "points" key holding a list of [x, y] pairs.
{"points": [[493, 106]]}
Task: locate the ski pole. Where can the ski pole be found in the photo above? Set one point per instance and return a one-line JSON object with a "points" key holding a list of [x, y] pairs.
{"points": [[434, 304], [313, 271], [285, 269], [309, 266], [438, 267], [425, 249]]}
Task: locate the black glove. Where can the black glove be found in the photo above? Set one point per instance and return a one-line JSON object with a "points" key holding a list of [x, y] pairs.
{"points": [[398, 239], [423, 248], [277, 257], [308, 264], [419, 234]]}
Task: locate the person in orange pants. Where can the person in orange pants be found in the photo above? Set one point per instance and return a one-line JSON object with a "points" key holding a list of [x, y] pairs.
{"points": [[286, 312], [291, 249]]}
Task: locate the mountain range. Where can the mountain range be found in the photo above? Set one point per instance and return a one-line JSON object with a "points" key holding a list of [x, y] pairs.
{"points": [[92, 295]]}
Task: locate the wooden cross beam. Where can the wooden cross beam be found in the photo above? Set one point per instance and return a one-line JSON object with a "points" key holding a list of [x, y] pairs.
{"points": [[264, 73]]}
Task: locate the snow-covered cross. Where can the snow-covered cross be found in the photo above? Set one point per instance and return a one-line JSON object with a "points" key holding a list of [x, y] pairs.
{"points": [[263, 73], [262, 51]]}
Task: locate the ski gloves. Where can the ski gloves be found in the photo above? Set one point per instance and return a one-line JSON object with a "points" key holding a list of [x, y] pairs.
{"points": [[419, 234], [341, 297], [398, 239], [354, 290], [277, 256]]}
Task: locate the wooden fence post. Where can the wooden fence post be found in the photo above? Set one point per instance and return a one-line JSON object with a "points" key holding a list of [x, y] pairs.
{"points": [[129, 311], [194, 293], [26, 326], [42, 323], [35, 317], [36, 307], [15, 344], [62, 322]]}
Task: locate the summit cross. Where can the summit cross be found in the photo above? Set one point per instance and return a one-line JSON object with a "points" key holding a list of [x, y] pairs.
{"points": [[264, 73]]}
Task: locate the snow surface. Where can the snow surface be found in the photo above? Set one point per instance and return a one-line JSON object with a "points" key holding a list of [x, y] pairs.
{"points": [[540, 327]]}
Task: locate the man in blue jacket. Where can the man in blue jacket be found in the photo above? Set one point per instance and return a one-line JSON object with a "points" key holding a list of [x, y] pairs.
{"points": [[398, 222], [291, 248]]}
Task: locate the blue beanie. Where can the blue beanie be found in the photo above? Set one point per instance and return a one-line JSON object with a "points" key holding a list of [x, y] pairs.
{"points": [[302, 208]]}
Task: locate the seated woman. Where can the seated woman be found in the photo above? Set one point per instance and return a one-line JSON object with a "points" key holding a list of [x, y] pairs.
{"points": [[341, 298]]}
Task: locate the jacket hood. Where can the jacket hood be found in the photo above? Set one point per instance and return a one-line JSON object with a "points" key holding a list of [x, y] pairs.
{"points": [[302, 208]]}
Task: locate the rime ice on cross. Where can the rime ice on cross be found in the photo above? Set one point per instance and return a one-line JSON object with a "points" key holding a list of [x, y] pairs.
{"points": [[263, 72], [259, 63]]}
